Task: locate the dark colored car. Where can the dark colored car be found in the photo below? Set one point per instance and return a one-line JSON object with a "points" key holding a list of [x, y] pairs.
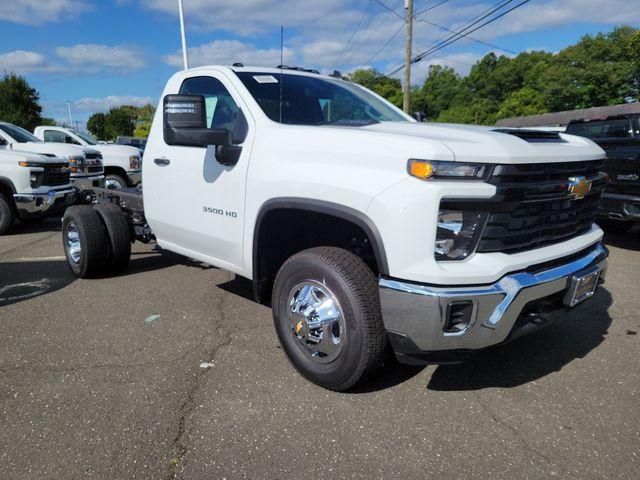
{"points": [[619, 136]]}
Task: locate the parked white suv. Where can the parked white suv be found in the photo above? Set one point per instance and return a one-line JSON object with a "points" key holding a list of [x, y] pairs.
{"points": [[85, 164], [122, 163], [362, 228], [32, 186]]}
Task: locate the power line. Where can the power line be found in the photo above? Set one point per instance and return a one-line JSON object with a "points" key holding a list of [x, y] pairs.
{"points": [[440, 47], [429, 8], [470, 38], [353, 32], [441, 43], [388, 8], [385, 45], [355, 43], [358, 47]]}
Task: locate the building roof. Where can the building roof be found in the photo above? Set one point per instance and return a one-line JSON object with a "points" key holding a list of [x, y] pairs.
{"points": [[563, 118]]}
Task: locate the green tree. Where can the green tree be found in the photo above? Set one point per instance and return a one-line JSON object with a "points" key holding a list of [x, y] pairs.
{"points": [[97, 125], [438, 92], [144, 120], [389, 88], [19, 102], [526, 101], [120, 121]]}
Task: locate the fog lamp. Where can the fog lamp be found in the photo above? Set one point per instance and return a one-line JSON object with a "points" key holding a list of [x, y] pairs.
{"points": [[458, 234]]}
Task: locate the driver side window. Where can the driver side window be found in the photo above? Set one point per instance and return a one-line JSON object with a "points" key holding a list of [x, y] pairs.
{"points": [[222, 110]]}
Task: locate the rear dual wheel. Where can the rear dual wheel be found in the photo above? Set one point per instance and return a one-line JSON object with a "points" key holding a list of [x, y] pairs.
{"points": [[96, 240]]}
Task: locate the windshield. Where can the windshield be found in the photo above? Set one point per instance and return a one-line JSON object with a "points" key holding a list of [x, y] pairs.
{"points": [[87, 138], [20, 135], [310, 100]]}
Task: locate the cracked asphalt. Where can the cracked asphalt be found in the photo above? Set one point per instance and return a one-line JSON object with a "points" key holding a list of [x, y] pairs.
{"points": [[103, 379]]}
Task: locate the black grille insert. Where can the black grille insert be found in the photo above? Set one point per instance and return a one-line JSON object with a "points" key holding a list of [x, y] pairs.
{"points": [[55, 174], [534, 206]]}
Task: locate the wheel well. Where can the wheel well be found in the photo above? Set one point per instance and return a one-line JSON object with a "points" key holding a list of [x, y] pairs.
{"points": [[116, 171], [283, 231]]}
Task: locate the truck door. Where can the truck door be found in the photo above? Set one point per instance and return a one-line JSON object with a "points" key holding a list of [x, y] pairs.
{"points": [[198, 203]]}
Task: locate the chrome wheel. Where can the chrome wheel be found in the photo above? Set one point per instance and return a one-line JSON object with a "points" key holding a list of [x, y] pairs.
{"points": [[113, 184], [316, 321], [73, 242]]}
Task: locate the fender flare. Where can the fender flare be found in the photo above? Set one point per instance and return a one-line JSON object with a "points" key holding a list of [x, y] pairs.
{"points": [[8, 183], [328, 208]]}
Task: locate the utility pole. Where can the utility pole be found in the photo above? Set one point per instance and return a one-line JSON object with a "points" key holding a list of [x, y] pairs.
{"points": [[185, 55], [408, 8], [70, 118]]}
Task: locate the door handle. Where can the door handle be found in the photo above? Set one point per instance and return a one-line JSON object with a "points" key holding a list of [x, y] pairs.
{"points": [[163, 162]]}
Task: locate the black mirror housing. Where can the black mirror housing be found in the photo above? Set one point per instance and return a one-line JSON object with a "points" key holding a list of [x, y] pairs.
{"points": [[185, 123]]}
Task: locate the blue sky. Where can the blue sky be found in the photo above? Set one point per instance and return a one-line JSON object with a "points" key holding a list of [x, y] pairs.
{"points": [[105, 53]]}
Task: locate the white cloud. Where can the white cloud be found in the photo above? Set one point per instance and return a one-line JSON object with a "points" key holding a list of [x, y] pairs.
{"points": [[227, 52], [92, 104], [37, 12], [24, 62], [94, 58], [247, 17]]}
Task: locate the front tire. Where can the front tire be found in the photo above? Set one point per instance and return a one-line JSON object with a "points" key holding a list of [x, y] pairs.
{"points": [[114, 181], [6, 214], [327, 315], [85, 241]]}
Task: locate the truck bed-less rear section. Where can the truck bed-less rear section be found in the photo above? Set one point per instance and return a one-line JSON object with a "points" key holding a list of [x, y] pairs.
{"points": [[130, 202]]}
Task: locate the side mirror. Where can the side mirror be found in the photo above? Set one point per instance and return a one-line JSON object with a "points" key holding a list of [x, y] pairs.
{"points": [[185, 123], [420, 116]]}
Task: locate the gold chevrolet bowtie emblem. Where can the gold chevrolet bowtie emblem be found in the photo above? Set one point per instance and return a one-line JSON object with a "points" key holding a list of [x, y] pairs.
{"points": [[579, 187]]}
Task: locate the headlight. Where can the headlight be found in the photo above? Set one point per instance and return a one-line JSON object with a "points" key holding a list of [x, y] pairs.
{"points": [[134, 162], [458, 234], [426, 169], [76, 164], [30, 164]]}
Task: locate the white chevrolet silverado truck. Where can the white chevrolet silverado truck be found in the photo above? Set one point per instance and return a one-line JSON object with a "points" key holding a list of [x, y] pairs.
{"points": [[32, 186], [365, 231], [122, 165], [85, 164]]}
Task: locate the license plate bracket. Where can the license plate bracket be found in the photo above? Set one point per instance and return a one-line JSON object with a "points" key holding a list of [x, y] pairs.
{"points": [[583, 285]]}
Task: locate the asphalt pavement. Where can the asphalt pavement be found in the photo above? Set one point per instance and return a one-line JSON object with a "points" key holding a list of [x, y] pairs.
{"points": [[172, 371]]}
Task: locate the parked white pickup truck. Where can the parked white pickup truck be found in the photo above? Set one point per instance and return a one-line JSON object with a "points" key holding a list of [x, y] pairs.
{"points": [[85, 164], [122, 165], [362, 228], [32, 186]]}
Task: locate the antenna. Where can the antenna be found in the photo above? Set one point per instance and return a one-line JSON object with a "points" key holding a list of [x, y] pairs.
{"points": [[185, 55], [281, 65]]}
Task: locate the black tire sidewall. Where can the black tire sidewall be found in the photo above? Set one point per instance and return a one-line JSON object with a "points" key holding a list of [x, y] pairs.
{"points": [[95, 250], [119, 237], [343, 367], [6, 214]]}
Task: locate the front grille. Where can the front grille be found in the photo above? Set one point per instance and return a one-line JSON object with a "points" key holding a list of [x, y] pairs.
{"points": [[55, 175], [95, 169], [533, 207], [93, 156]]}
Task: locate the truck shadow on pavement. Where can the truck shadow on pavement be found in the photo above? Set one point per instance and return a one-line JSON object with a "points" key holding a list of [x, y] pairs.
{"points": [[51, 224], [628, 241], [21, 281], [534, 356]]}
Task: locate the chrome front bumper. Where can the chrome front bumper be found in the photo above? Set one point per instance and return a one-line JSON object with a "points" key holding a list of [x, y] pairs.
{"points": [[415, 314], [135, 177], [35, 203]]}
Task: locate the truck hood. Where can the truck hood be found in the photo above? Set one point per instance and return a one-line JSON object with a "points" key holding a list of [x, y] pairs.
{"points": [[19, 156], [51, 148], [116, 150], [485, 144]]}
